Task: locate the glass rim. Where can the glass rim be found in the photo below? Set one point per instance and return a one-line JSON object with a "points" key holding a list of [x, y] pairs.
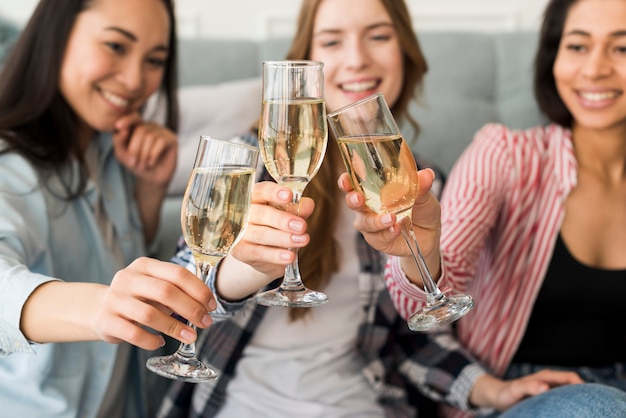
{"points": [[354, 104], [293, 63], [237, 144]]}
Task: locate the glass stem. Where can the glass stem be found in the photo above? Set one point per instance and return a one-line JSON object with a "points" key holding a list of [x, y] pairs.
{"points": [[292, 279], [433, 294], [203, 271]]}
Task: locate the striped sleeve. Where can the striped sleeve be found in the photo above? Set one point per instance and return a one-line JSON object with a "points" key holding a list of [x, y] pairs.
{"points": [[470, 204]]}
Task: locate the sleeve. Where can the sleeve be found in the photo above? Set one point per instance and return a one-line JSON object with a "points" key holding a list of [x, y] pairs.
{"points": [[470, 205], [440, 368], [23, 240]]}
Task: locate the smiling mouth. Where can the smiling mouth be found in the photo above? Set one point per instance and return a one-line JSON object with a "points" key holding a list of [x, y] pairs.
{"points": [[599, 96], [359, 86], [115, 100]]}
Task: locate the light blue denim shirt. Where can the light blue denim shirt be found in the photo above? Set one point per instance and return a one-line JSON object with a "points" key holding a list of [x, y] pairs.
{"points": [[43, 238]]}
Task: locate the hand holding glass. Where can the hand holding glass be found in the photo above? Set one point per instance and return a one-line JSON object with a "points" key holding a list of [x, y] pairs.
{"points": [[214, 215], [382, 168], [292, 138]]}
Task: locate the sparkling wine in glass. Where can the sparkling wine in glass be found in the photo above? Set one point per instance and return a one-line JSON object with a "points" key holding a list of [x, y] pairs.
{"points": [[382, 168], [214, 215], [292, 139]]}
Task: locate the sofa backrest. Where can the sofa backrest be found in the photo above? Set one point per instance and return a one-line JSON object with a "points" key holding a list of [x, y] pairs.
{"points": [[8, 35], [473, 78]]}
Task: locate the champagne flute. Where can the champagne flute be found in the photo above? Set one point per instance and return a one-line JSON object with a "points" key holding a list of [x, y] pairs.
{"points": [[293, 134], [214, 215], [382, 168]]}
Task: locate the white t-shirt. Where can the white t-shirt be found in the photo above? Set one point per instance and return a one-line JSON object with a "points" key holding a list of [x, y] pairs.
{"points": [[308, 368]]}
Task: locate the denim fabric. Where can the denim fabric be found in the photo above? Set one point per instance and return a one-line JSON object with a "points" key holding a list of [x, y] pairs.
{"points": [[587, 400], [602, 396]]}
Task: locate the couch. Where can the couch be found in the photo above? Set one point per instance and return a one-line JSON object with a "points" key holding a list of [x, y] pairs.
{"points": [[473, 78]]}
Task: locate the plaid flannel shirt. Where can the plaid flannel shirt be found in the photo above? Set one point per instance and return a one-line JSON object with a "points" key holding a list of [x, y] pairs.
{"points": [[400, 365]]}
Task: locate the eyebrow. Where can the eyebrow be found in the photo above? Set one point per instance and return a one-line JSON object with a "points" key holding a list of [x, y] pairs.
{"points": [[133, 38], [367, 28], [616, 34]]}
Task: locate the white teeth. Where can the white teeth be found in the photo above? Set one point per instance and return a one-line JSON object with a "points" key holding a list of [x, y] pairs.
{"points": [[599, 96], [116, 100], [359, 86]]}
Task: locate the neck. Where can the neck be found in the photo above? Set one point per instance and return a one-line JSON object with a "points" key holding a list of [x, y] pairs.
{"points": [[85, 134], [601, 152]]}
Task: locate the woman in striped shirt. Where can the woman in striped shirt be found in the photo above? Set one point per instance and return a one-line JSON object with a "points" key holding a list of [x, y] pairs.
{"points": [[532, 224]]}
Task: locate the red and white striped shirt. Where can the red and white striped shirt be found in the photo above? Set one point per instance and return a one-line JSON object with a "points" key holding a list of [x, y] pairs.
{"points": [[502, 208]]}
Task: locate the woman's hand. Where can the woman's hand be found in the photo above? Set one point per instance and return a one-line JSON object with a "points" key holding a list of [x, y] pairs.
{"points": [[383, 232], [147, 149], [491, 392], [145, 294], [264, 251]]}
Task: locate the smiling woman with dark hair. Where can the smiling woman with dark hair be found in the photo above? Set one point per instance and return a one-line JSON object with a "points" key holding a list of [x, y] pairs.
{"points": [[532, 224], [82, 179]]}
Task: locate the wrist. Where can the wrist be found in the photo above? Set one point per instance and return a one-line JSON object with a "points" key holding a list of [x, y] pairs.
{"points": [[484, 391]]}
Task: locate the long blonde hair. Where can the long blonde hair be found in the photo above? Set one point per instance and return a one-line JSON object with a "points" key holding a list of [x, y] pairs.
{"points": [[321, 258]]}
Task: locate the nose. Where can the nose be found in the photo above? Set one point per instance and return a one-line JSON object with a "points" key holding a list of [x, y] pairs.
{"points": [[357, 55], [131, 74], [597, 64]]}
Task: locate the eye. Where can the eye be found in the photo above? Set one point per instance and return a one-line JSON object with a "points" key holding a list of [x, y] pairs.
{"points": [[157, 62], [620, 50], [329, 43], [116, 47], [575, 47], [380, 37]]}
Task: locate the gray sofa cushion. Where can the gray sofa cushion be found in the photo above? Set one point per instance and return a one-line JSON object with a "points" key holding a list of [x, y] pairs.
{"points": [[8, 35]]}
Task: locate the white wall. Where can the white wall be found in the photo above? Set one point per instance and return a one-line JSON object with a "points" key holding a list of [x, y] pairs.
{"points": [[258, 19]]}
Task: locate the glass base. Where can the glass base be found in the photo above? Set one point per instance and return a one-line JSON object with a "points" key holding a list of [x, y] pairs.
{"points": [[180, 368], [448, 310], [296, 298]]}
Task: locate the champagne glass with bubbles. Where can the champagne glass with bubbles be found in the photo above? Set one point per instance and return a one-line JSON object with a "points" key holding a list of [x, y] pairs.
{"points": [[382, 168], [292, 138], [214, 216]]}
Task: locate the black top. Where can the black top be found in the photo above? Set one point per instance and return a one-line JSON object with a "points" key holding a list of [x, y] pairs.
{"points": [[579, 317]]}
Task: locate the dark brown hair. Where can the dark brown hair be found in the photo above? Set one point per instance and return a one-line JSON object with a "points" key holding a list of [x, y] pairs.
{"points": [[35, 119], [546, 93], [321, 258]]}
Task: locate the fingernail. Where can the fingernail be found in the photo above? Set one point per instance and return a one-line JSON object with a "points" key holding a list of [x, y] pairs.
{"points": [[386, 219], [296, 226], [284, 195], [354, 199], [285, 256], [206, 320], [212, 305], [187, 335], [162, 343], [298, 238]]}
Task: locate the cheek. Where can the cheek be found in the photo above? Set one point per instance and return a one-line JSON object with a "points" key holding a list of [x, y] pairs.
{"points": [[563, 76], [154, 80], [394, 78]]}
